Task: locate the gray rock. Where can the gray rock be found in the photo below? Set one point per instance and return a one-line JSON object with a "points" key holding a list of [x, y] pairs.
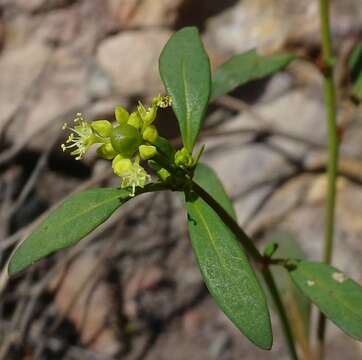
{"points": [[249, 24], [131, 60], [220, 345], [135, 14], [18, 77], [99, 83], [267, 25], [38, 5]]}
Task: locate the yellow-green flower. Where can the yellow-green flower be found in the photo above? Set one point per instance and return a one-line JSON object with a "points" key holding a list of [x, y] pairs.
{"points": [[81, 138], [162, 101], [132, 174], [132, 139]]}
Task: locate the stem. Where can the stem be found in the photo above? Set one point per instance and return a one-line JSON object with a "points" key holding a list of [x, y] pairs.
{"points": [[152, 188], [244, 239], [333, 149], [269, 280], [254, 253]]}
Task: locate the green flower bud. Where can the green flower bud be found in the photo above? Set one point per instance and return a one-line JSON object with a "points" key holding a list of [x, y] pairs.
{"points": [[121, 166], [147, 151], [125, 140], [184, 158], [106, 151], [135, 120], [163, 174], [150, 134], [141, 110], [122, 115], [102, 127], [148, 116]]}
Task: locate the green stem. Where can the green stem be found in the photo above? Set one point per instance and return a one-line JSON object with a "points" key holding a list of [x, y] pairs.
{"points": [[268, 277], [254, 253], [333, 149], [244, 239], [152, 188]]}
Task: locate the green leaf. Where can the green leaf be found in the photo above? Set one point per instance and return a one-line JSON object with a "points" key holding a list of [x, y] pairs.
{"points": [[66, 225], [297, 305], [337, 296], [355, 65], [165, 148], [185, 72], [223, 264], [246, 67]]}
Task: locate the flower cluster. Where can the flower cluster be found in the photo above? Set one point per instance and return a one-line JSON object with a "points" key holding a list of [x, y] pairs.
{"points": [[126, 143]]}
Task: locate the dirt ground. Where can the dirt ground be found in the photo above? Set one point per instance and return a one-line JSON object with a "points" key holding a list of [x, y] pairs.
{"points": [[132, 290]]}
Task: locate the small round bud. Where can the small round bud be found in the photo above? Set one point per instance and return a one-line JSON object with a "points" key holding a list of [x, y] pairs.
{"points": [[125, 140], [122, 115], [121, 166], [106, 151], [184, 158], [163, 174], [135, 120], [150, 116], [102, 127], [150, 134], [147, 151]]}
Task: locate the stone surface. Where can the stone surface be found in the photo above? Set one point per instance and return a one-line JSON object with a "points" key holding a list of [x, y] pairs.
{"points": [[89, 309], [61, 95], [131, 60], [268, 25], [39, 5], [18, 78], [247, 25], [135, 14], [57, 57]]}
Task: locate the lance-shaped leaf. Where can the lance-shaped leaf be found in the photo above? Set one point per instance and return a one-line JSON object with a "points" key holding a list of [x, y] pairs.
{"points": [[223, 264], [242, 68], [65, 226], [185, 72], [355, 65], [337, 296]]}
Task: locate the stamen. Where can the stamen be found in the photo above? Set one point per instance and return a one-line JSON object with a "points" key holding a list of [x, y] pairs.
{"points": [[81, 137]]}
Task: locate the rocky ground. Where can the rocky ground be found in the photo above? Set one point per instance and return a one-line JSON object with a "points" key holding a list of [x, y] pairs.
{"points": [[132, 289]]}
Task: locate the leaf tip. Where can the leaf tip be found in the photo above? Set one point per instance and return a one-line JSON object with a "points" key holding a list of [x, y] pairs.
{"points": [[266, 344], [13, 266]]}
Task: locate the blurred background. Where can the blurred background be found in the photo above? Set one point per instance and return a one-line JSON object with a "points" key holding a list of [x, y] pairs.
{"points": [[132, 290]]}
